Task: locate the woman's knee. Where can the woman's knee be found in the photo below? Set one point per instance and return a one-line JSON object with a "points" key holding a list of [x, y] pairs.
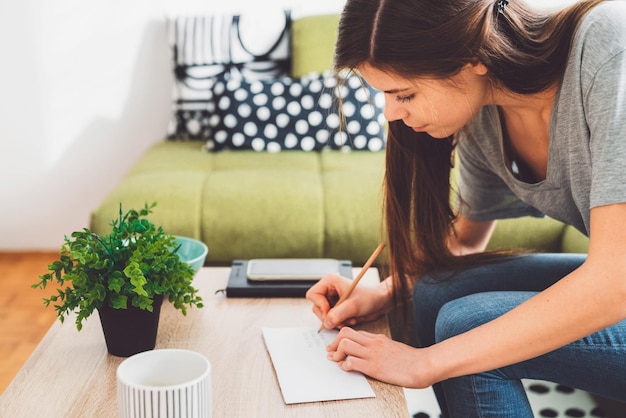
{"points": [[469, 312]]}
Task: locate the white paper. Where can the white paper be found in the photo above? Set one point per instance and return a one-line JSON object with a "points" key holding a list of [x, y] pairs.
{"points": [[305, 374]]}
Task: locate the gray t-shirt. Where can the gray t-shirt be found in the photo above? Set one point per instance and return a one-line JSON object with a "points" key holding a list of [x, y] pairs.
{"points": [[587, 151]]}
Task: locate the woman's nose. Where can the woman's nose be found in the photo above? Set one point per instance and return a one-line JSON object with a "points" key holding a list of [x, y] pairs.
{"points": [[393, 110]]}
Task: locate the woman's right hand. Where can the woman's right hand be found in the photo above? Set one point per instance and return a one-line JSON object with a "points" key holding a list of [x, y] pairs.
{"points": [[366, 303]]}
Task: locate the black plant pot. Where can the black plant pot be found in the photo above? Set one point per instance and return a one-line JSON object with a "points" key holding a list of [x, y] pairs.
{"points": [[132, 330]]}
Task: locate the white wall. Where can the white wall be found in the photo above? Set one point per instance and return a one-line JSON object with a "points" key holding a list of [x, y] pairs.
{"points": [[84, 88], [84, 91]]}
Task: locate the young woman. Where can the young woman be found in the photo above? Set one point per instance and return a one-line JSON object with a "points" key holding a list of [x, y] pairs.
{"points": [[534, 104]]}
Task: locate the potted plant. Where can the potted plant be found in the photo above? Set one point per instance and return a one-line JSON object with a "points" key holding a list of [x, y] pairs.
{"points": [[124, 275]]}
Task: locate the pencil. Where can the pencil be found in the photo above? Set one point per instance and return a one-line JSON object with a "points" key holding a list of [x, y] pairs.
{"points": [[366, 266]]}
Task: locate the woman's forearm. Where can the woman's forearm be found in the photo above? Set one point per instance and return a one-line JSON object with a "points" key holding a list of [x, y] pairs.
{"points": [[573, 308]]}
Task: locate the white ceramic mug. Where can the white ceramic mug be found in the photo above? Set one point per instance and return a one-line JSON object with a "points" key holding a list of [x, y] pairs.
{"points": [[164, 383]]}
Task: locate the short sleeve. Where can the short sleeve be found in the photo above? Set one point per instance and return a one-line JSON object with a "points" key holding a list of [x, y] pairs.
{"points": [[605, 109]]}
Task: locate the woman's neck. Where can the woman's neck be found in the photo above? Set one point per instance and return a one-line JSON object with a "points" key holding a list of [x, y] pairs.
{"points": [[536, 106], [526, 129]]}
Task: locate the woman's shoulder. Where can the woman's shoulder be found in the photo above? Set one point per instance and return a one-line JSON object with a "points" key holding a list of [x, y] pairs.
{"points": [[604, 25], [601, 36]]}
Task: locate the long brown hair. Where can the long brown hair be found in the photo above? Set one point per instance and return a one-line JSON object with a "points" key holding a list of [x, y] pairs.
{"points": [[525, 51]]}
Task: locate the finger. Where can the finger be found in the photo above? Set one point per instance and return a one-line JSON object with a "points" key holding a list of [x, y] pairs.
{"points": [[351, 363], [363, 356], [332, 319], [319, 295], [345, 333], [347, 348], [321, 305], [340, 316], [331, 286], [334, 343], [364, 336], [357, 335], [318, 312]]}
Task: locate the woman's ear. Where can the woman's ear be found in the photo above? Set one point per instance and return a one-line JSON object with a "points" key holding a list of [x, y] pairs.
{"points": [[477, 67]]}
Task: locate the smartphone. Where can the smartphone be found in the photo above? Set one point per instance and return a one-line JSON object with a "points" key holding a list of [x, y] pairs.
{"points": [[290, 269]]}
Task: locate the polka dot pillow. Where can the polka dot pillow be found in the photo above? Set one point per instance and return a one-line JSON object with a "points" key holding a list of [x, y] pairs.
{"points": [[295, 114]]}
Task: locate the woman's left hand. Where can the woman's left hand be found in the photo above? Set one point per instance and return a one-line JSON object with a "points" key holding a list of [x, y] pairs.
{"points": [[380, 357]]}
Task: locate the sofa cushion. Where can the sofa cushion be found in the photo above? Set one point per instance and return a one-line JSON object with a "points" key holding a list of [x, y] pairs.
{"points": [[263, 213], [245, 204], [296, 114], [257, 46]]}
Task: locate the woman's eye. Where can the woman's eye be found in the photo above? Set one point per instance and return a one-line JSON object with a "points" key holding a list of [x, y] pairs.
{"points": [[404, 99]]}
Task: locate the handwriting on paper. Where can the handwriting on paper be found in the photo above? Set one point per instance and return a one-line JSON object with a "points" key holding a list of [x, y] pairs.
{"points": [[304, 372], [316, 340]]}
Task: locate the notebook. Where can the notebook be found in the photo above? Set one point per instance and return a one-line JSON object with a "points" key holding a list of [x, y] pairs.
{"points": [[239, 285]]}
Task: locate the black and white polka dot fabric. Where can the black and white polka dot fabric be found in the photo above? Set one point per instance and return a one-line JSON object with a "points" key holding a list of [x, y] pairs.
{"points": [[294, 114], [546, 399]]}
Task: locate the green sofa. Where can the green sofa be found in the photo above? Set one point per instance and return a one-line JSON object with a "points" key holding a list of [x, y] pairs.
{"points": [[248, 204]]}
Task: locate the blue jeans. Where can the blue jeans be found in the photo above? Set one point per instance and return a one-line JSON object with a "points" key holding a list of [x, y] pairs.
{"points": [[447, 306]]}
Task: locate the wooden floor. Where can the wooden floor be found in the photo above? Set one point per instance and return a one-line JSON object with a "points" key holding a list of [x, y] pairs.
{"points": [[24, 319]]}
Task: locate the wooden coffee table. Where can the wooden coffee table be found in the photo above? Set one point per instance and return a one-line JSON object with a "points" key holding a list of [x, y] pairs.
{"points": [[70, 373]]}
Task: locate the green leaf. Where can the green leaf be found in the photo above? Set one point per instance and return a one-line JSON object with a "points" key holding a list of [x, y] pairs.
{"points": [[119, 301], [132, 263], [137, 279], [143, 302], [116, 284]]}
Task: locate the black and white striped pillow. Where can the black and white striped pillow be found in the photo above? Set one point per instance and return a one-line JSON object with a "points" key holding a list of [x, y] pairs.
{"points": [[207, 48]]}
